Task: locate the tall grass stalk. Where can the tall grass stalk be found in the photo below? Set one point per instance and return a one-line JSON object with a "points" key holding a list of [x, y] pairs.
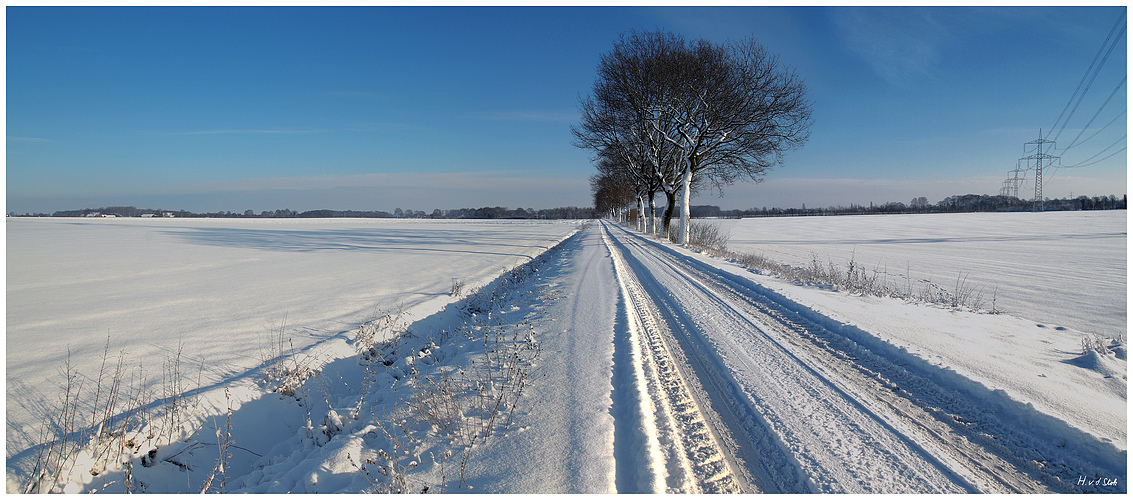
{"points": [[854, 278], [118, 427]]}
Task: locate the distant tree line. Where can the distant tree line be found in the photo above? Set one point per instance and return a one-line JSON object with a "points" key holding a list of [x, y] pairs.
{"points": [[958, 203], [460, 213], [951, 204]]}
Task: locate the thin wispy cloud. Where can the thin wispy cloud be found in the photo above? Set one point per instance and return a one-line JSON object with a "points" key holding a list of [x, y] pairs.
{"points": [[898, 44], [419, 190], [270, 131], [354, 94], [475, 180], [531, 116], [378, 127], [26, 139]]}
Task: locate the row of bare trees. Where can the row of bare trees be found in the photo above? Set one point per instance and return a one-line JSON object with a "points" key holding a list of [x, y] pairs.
{"points": [[671, 116]]}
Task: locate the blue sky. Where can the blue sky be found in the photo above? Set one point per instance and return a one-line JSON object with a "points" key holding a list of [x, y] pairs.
{"points": [[372, 108]]}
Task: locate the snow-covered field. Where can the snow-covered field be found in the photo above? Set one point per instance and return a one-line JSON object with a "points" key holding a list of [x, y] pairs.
{"points": [[611, 363], [218, 287], [1060, 268]]}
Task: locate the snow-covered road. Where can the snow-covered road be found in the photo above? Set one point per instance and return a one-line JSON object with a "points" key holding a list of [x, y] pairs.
{"points": [[799, 408]]}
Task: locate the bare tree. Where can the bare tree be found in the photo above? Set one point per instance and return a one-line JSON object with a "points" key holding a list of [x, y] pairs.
{"points": [[737, 112], [623, 118], [613, 195], [679, 113]]}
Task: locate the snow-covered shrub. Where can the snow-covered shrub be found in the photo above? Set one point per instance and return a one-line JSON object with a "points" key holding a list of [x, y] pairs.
{"points": [[707, 236], [1118, 347], [387, 471], [1105, 346], [389, 326], [93, 430], [469, 402], [457, 289], [281, 364], [176, 397], [1094, 343], [855, 278], [224, 441], [56, 456], [452, 388]]}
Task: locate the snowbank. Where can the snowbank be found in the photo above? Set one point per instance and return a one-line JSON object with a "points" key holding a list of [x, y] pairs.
{"points": [[217, 290]]}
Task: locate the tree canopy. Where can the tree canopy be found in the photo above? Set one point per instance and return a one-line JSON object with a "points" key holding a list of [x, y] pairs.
{"points": [[670, 113]]}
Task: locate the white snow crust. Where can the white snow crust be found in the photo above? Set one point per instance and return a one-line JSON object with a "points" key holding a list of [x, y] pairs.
{"points": [[219, 287], [643, 368], [1058, 268]]}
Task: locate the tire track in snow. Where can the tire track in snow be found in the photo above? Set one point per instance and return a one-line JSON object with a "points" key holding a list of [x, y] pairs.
{"points": [[830, 439], [683, 449], [637, 453], [967, 442], [881, 395], [981, 446]]}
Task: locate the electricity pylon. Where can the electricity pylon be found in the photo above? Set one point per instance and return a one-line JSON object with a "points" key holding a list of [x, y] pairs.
{"points": [[1011, 185], [1036, 161]]}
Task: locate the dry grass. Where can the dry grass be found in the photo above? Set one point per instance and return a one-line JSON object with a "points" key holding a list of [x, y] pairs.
{"points": [[120, 425], [852, 278]]}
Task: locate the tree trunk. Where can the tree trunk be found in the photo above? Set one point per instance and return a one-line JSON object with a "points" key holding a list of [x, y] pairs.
{"points": [[686, 197], [641, 227], [671, 200], [652, 217]]}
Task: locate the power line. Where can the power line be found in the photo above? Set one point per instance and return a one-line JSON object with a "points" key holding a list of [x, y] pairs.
{"points": [[1098, 112], [1098, 131], [1087, 74], [1084, 162], [1038, 157], [1106, 158], [1088, 84]]}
